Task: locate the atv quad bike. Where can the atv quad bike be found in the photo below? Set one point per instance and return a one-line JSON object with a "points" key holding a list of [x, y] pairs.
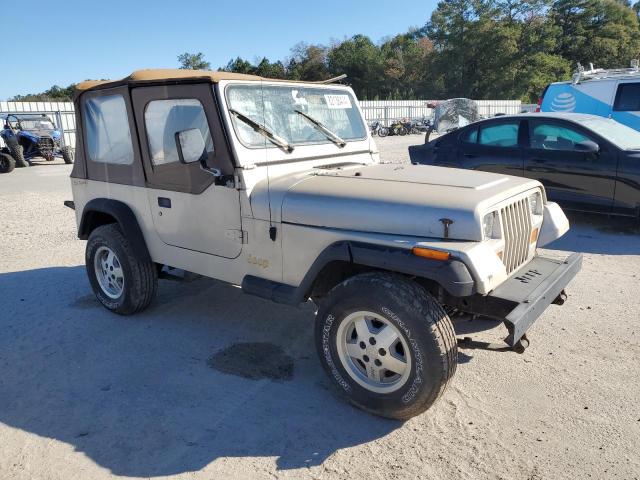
{"points": [[28, 136]]}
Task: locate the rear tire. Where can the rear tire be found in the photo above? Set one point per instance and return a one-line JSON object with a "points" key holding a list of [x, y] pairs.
{"points": [[7, 163], [410, 351], [122, 282], [383, 132], [67, 155]]}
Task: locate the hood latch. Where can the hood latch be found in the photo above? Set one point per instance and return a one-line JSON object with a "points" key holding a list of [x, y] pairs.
{"points": [[446, 222]]}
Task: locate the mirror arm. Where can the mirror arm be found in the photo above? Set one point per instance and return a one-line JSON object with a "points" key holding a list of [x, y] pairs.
{"points": [[213, 171]]}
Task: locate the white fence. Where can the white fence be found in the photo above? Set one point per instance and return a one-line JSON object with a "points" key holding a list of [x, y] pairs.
{"points": [[386, 111], [61, 113]]}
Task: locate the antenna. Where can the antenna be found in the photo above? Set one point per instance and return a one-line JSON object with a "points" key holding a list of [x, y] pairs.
{"points": [[272, 229]]}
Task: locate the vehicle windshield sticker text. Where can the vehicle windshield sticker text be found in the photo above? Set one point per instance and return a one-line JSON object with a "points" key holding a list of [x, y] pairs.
{"points": [[338, 101]]}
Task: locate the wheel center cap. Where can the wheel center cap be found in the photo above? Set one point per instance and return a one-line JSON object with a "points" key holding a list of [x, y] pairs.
{"points": [[372, 351]]}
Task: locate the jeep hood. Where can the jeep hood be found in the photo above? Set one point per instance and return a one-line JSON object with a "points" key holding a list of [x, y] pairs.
{"points": [[395, 199]]}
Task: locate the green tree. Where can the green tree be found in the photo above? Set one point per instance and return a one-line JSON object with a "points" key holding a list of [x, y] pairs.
{"points": [[53, 94], [450, 31], [405, 60], [604, 32], [239, 65], [308, 62], [267, 69], [362, 61], [193, 61]]}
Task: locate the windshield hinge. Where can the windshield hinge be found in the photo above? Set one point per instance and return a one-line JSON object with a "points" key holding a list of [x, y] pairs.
{"points": [[238, 236]]}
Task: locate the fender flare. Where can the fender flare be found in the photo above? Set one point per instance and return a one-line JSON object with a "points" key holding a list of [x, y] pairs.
{"points": [[124, 217], [451, 275]]}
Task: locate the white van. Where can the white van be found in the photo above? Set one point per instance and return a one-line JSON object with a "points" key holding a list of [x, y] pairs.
{"points": [[607, 93]]}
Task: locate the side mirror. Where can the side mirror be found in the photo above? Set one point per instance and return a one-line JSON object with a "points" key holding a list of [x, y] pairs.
{"points": [[190, 145], [587, 147]]}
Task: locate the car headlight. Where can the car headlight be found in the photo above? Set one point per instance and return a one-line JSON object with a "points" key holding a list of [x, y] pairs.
{"points": [[489, 225], [535, 203]]}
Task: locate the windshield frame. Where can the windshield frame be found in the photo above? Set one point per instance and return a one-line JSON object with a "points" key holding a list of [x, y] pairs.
{"points": [[286, 84], [21, 119]]}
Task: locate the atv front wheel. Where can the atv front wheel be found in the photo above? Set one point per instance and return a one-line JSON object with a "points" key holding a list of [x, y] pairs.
{"points": [[17, 153], [7, 163], [386, 343], [67, 154]]}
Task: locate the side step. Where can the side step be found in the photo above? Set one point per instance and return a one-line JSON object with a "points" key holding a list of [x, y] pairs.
{"points": [[177, 275]]}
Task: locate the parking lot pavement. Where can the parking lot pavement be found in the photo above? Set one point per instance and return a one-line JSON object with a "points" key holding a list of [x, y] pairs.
{"points": [[88, 394]]}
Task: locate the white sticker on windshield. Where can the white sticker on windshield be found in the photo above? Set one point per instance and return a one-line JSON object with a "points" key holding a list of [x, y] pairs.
{"points": [[338, 101], [298, 98]]}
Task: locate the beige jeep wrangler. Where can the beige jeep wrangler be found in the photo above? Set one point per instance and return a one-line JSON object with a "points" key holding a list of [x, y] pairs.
{"points": [[277, 186]]}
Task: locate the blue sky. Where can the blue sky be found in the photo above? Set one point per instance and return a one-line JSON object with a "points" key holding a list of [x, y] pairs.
{"points": [[77, 40]]}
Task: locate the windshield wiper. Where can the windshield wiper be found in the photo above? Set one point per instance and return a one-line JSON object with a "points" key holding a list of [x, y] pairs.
{"points": [[321, 127], [262, 130]]}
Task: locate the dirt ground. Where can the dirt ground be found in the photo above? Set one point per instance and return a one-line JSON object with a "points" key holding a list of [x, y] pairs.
{"points": [[85, 394]]}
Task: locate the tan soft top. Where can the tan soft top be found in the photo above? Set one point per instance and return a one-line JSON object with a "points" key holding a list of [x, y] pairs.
{"points": [[152, 75]]}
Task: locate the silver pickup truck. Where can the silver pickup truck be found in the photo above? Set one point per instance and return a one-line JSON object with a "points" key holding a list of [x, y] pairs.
{"points": [[277, 187]]}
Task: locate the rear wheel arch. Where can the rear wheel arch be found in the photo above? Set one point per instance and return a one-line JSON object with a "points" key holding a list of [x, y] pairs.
{"points": [[103, 211]]}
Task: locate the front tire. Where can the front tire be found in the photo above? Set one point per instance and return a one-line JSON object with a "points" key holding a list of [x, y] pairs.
{"points": [[17, 152], [7, 163], [383, 132], [67, 154], [386, 343], [122, 282]]}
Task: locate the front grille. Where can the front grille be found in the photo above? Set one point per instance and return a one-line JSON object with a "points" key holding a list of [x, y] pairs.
{"points": [[45, 145], [516, 229]]}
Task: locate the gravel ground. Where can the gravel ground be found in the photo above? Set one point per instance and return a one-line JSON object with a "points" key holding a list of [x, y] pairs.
{"points": [[85, 394]]}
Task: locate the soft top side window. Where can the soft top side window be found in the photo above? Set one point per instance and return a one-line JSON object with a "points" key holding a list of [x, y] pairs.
{"points": [[107, 132], [164, 118]]}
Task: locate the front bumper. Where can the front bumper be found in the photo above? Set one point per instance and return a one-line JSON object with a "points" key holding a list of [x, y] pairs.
{"points": [[532, 289], [520, 300]]}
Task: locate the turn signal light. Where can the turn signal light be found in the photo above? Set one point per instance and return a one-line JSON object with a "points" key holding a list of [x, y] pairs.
{"points": [[534, 235], [431, 254]]}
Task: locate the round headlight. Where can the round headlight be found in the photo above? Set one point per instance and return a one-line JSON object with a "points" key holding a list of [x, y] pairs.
{"points": [[535, 203]]}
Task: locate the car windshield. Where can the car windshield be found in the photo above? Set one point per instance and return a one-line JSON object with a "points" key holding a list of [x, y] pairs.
{"points": [[36, 123], [620, 135], [297, 114]]}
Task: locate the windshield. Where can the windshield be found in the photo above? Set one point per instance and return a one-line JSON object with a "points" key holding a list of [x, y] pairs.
{"points": [[293, 113], [620, 135], [36, 123]]}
